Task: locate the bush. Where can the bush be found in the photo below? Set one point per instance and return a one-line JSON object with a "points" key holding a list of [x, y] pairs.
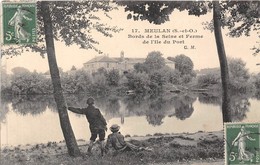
{"points": [[242, 87], [208, 79], [239, 76], [113, 77], [171, 75], [186, 78], [138, 82], [99, 85], [256, 81]]}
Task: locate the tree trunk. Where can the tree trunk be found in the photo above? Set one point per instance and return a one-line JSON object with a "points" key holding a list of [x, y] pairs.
{"points": [[226, 107], [68, 134]]}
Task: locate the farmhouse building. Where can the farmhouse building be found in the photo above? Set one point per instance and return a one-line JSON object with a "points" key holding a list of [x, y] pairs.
{"points": [[122, 63]]}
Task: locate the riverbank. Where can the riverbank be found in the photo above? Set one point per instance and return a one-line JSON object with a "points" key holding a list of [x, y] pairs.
{"points": [[186, 148]]}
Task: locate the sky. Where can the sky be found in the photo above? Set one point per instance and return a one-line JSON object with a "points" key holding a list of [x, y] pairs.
{"points": [[203, 56]]}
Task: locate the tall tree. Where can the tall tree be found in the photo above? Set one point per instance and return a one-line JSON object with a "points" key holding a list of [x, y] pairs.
{"points": [[226, 105], [182, 63], [239, 76], [70, 22], [238, 70], [154, 61], [158, 12], [184, 66], [55, 76]]}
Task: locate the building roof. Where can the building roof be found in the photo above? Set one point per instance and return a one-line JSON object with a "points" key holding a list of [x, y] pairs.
{"points": [[168, 61], [118, 59], [101, 59], [136, 60], [131, 60]]}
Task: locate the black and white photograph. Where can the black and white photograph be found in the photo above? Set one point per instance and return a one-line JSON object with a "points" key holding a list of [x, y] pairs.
{"points": [[118, 82]]}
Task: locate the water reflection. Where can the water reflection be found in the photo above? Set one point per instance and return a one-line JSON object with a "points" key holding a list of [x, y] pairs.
{"points": [[240, 104], [76, 100], [239, 107], [111, 106], [4, 108], [138, 115], [155, 109], [136, 104], [257, 95], [184, 111], [184, 106], [209, 98], [33, 105]]}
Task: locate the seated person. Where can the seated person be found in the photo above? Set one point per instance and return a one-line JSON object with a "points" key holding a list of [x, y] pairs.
{"points": [[116, 141]]}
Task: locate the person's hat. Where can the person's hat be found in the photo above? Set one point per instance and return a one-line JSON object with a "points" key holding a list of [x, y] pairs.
{"points": [[90, 101], [115, 128]]}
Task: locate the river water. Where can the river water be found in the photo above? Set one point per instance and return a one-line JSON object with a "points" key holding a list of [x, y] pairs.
{"points": [[34, 119]]}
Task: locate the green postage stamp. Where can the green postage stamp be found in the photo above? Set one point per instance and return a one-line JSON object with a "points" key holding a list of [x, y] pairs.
{"points": [[19, 23], [242, 143]]}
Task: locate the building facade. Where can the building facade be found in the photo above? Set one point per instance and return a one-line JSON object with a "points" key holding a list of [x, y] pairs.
{"points": [[121, 63], [100, 62]]}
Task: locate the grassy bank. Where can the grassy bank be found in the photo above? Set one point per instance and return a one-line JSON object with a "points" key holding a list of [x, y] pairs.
{"points": [[183, 148]]}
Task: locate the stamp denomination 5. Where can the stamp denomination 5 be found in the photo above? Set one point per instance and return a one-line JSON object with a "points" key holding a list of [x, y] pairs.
{"points": [[242, 143]]}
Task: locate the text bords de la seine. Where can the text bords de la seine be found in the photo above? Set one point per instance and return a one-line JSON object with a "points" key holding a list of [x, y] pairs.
{"points": [[165, 33]]}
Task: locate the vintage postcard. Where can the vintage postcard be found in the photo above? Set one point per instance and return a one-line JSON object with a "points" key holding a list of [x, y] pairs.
{"points": [[130, 82]]}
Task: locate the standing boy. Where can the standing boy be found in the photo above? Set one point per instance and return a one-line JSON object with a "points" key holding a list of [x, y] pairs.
{"points": [[97, 123]]}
